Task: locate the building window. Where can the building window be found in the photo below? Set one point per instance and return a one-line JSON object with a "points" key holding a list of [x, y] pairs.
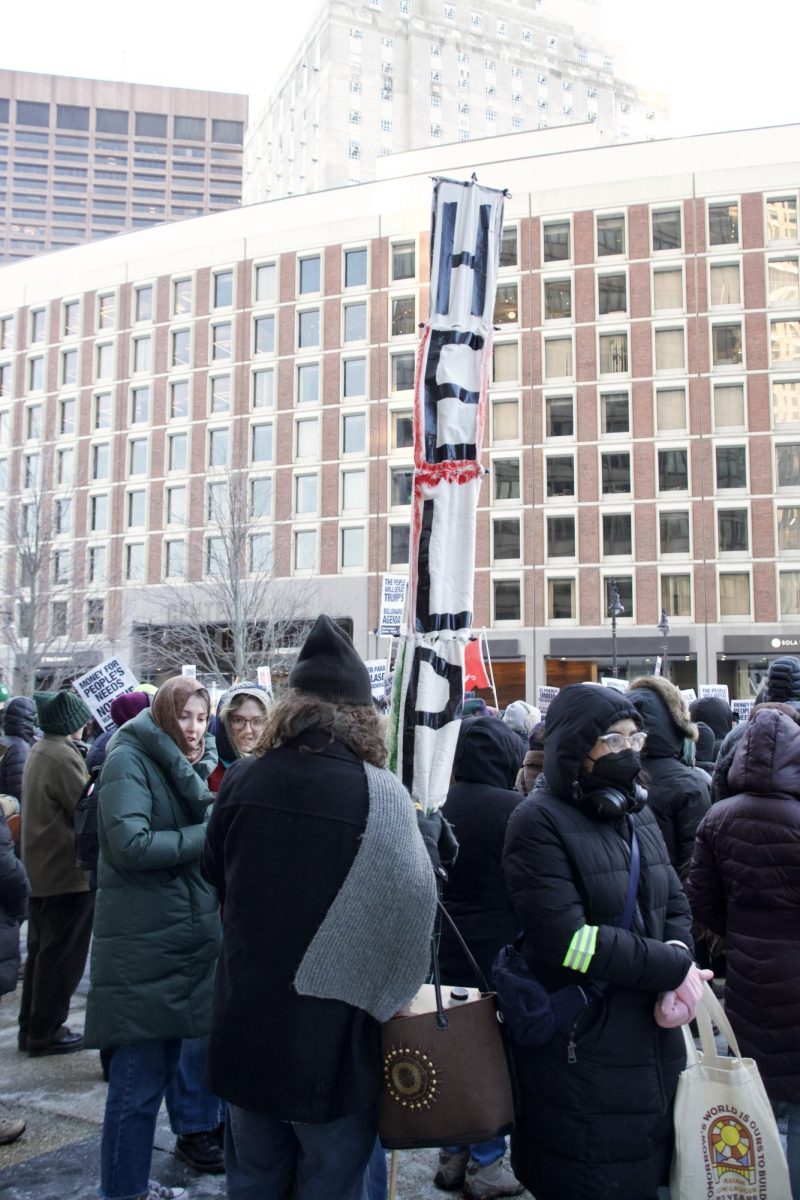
{"points": [[724, 284], [726, 345], [355, 268], [731, 463], [306, 494], [558, 358], [137, 456], [559, 416], [670, 350], [58, 618], [787, 462], [673, 470], [734, 594], [140, 405], [33, 422], [506, 308], [261, 443], [215, 556], [729, 406], [136, 510], [782, 219], [7, 328], [402, 372], [354, 433], [505, 420], [354, 376], [624, 587], [223, 289], [402, 483], [106, 311], [218, 447], [399, 540], [175, 559], [307, 438], [354, 491], [610, 235], [556, 237], [62, 566], [181, 297], [263, 388], [62, 516], [670, 409], [308, 328], [95, 610], [560, 476], [403, 316], [614, 412], [66, 415], [617, 540], [403, 261], [509, 247], [261, 497], [104, 360], [266, 281], [96, 564], [355, 322], [309, 271], [221, 341], [783, 281], [308, 379], [723, 224], [557, 299], [264, 333], [667, 289], [784, 341], [505, 478], [612, 294], [305, 550], [177, 452], [71, 313], [65, 461], [179, 399], [561, 537], [615, 473], [176, 506], [35, 374], [789, 592], [789, 529], [260, 553], [666, 229], [673, 530], [613, 353], [142, 348], [219, 387], [561, 599], [505, 362], [402, 429], [676, 595]]}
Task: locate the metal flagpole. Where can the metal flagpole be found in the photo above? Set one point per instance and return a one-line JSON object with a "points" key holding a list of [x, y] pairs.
{"points": [[491, 668]]}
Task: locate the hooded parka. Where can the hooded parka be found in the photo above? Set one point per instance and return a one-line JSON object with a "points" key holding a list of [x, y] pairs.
{"points": [[227, 750], [594, 1104], [19, 728], [14, 891], [677, 794], [478, 806], [744, 885], [156, 925]]}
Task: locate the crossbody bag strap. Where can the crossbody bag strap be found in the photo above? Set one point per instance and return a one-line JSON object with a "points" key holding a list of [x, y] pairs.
{"points": [[626, 920], [441, 1015]]}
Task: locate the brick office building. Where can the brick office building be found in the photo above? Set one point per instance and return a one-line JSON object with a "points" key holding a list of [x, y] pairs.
{"points": [[644, 414]]}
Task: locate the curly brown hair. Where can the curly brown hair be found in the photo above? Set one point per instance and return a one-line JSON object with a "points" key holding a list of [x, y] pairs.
{"points": [[358, 726]]}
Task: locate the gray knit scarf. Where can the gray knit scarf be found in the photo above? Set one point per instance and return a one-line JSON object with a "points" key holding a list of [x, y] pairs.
{"points": [[372, 950]]}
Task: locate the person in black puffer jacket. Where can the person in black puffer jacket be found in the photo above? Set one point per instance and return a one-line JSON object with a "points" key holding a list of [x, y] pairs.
{"points": [[19, 735], [594, 1105], [704, 755], [781, 686], [715, 713], [14, 892], [677, 794]]}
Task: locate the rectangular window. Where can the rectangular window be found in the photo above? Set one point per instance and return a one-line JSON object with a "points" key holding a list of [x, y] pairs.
{"points": [[266, 283], [62, 516], [724, 284], [507, 594], [505, 420], [506, 538], [261, 497], [506, 306], [140, 405], [614, 412], [71, 313], [97, 564], [38, 326], [560, 476], [306, 491], [305, 549], [69, 368], [784, 340], [62, 566], [66, 415], [731, 463], [218, 447], [98, 513], [559, 416], [561, 537], [308, 328], [355, 322], [106, 311], [223, 289], [561, 599], [782, 219], [509, 253], [95, 610], [676, 595], [402, 429], [505, 477], [219, 387], [264, 388], [221, 341], [215, 556], [178, 451], [734, 594], [35, 374], [354, 491], [403, 316], [6, 371], [402, 373], [100, 461], [505, 362], [65, 461], [33, 422], [557, 299], [176, 506], [104, 360], [673, 470], [354, 433], [308, 380], [556, 238], [729, 406], [398, 545], [667, 289], [58, 618], [261, 443], [726, 345], [260, 553], [181, 297], [610, 235], [613, 353], [137, 456], [670, 350], [615, 473], [179, 399], [783, 281], [218, 503], [670, 409], [674, 532], [307, 438], [612, 294], [403, 261], [557, 358], [143, 303], [787, 461], [789, 591], [264, 334], [309, 272], [7, 327], [723, 224], [175, 559], [181, 348], [617, 539], [666, 224], [355, 267], [789, 529], [402, 480]]}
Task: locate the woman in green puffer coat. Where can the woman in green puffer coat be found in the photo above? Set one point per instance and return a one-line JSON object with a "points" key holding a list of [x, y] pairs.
{"points": [[156, 926]]}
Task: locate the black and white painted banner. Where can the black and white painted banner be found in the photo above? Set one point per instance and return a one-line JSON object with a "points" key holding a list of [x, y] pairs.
{"points": [[449, 415]]}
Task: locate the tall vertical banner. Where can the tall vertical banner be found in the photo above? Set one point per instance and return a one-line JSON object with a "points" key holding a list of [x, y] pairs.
{"points": [[450, 393]]}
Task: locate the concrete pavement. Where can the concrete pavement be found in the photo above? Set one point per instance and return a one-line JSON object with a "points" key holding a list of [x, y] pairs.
{"points": [[63, 1097]]}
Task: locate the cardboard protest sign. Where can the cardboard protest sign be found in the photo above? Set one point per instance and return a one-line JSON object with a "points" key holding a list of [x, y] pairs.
{"points": [[719, 691], [742, 708], [377, 677], [393, 599], [544, 695], [610, 681], [103, 684]]}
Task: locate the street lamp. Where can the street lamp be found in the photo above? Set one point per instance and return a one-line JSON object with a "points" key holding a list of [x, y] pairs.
{"points": [[615, 609], [663, 629]]}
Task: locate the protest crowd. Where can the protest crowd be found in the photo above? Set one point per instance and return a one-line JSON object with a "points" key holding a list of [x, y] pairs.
{"points": [[257, 894]]}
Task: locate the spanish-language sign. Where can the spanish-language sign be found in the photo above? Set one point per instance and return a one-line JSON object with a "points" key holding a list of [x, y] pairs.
{"points": [[377, 677], [544, 697], [393, 599], [742, 708], [611, 681], [103, 684], [717, 691]]}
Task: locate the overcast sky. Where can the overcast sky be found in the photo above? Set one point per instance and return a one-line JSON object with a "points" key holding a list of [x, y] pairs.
{"points": [[728, 64]]}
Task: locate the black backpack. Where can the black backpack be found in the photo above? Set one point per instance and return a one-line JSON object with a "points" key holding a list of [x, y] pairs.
{"points": [[87, 846]]}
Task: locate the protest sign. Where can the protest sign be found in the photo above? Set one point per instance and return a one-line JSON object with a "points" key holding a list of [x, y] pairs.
{"points": [[688, 694], [103, 684], [264, 679], [611, 681], [543, 697], [742, 708], [377, 677], [719, 691], [393, 599]]}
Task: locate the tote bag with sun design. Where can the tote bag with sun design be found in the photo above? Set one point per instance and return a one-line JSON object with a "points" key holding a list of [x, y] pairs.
{"points": [[727, 1145]]}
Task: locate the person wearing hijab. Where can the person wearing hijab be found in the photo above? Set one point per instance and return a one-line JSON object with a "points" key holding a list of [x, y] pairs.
{"points": [[241, 717], [594, 1104], [156, 929]]}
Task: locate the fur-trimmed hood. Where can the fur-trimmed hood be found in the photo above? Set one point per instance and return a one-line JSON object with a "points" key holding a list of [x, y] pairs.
{"points": [[665, 715]]}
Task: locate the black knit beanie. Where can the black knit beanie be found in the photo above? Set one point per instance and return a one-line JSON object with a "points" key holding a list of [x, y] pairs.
{"points": [[783, 679], [61, 712], [329, 667]]}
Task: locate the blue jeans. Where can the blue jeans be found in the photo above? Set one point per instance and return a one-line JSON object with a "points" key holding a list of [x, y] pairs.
{"points": [[191, 1106], [267, 1157], [376, 1180], [483, 1153], [792, 1112], [137, 1078]]}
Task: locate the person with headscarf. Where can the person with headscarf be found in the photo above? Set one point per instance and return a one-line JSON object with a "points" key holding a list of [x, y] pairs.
{"points": [[157, 927], [121, 709], [241, 717], [594, 1104]]}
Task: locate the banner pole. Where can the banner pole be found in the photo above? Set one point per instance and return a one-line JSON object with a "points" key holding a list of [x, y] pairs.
{"points": [[491, 668]]}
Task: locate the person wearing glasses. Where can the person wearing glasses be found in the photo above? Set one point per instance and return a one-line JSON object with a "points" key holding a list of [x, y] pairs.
{"points": [[594, 1104], [241, 717], [677, 792]]}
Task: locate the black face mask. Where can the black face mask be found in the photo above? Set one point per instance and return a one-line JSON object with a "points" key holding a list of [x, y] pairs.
{"points": [[616, 770]]}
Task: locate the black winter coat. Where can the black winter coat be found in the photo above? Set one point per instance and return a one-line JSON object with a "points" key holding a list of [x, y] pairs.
{"points": [[19, 725], [717, 715], [14, 892], [478, 806], [744, 885], [677, 794], [281, 839], [599, 1126]]}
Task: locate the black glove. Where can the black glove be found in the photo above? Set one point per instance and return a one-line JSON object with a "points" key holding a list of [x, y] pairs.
{"points": [[440, 841]]}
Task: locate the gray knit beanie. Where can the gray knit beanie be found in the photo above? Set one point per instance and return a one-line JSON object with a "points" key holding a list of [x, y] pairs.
{"points": [[329, 667]]}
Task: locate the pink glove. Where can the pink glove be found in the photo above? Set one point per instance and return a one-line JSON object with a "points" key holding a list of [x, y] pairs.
{"points": [[679, 1007]]}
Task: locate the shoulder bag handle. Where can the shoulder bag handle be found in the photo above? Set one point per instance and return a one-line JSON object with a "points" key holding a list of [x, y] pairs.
{"points": [[441, 1015]]}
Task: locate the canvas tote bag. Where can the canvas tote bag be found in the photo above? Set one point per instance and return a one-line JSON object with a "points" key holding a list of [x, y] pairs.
{"points": [[727, 1145]]}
